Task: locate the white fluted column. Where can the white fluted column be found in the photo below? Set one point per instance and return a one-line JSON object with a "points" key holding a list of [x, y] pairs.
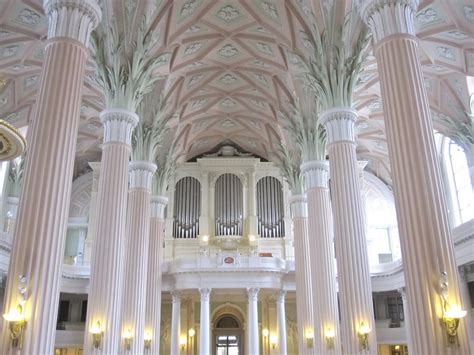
{"points": [[136, 253], [106, 285], [205, 324], [175, 323], [321, 250], [417, 182], [92, 213], [155, 257], [355, 292], [39, 238], [304, 295], [252, 321], [281, 322]]}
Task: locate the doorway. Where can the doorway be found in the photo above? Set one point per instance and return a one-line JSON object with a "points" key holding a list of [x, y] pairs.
{"points": [[228, 336]]}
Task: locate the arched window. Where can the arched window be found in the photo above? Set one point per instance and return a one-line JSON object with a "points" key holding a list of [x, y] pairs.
{"points": [[458, 181], [187, 208], [229, 205], [382, 229], [270, 212]]}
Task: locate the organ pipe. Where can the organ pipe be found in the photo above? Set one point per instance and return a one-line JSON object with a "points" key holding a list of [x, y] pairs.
{"points": [[187, 208], [270, 211], [228, 205]]}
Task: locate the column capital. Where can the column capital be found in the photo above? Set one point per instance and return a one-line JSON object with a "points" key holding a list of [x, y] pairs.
{"points": [[339, 123], [316, 174], [158, 204], [205, 294], [73, 19], [252, 293], [388, 17], [175, 296], [298, 206], [281, 294], [118, 125], [141, 174]]}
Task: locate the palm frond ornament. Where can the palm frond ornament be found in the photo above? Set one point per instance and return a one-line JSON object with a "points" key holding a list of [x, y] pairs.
{"points": [[166, 169], [333, 67], [289, 163], [17, 167], [152, 128], [126, 71], [308, 135]]}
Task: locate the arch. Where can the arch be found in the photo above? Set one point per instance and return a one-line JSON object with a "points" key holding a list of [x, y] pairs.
{"points": [[226, 310], [81, 196], [231, 333]]}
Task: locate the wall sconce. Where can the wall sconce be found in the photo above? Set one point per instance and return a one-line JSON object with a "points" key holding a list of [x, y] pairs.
{"points": [[191, 332], [364, 331], [147, 340], [205, 238], [97, 334], [265, 332], [16, 322], [182, 342], [128, 337], [451, 320], [330, 334], [309, 338], [251, 238], [273, 341], [15, 317], [452, 314]]}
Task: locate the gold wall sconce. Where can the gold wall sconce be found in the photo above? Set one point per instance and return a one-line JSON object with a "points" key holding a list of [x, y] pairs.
{"points": [[452, 313], [16, 317], [128, 338], [451, 319], [182, 342], [273, 341], [97, 334], [147, 340], [364, 331], [309, 338], [191, 332], [16, 324], [330, 335]]}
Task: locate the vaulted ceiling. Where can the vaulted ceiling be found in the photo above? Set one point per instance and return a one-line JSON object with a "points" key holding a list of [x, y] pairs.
{"points": [[231, 69]]}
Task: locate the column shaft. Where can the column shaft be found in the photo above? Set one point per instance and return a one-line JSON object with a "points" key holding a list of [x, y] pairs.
{"points": [[175, 324], [39, 237], [425, 235], [355, 291], [106, 285], [304, 296], [252, 322], [136, 253], [155, 257], [205, 324], [321, 250], [281, 323], [92, 213]]}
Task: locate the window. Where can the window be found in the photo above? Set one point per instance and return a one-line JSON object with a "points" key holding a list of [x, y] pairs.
{"points": [[459, 182]]}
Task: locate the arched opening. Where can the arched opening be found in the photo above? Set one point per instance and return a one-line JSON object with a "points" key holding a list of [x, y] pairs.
{"points": [[227, 330], [228, 336]]}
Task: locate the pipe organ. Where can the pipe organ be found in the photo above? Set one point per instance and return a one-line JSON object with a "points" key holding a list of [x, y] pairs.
{"points": [[187, 208], [270, 211], [228, 205]]}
